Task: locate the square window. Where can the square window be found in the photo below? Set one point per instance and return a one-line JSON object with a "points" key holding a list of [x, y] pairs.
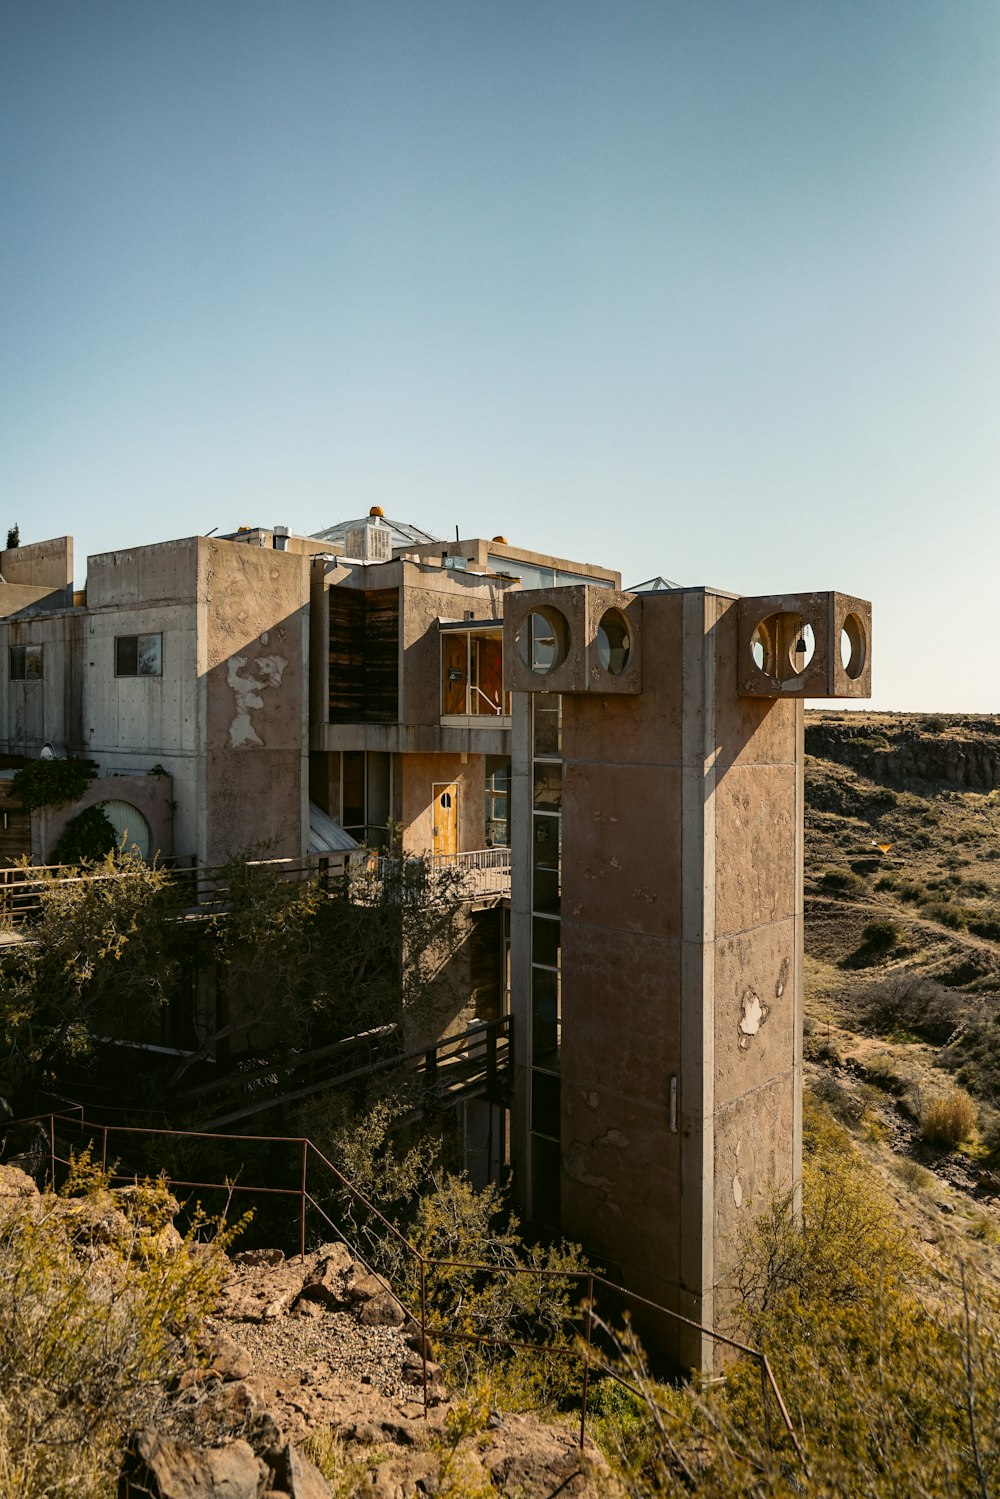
{"points": [[138, 655], [26, 663]]}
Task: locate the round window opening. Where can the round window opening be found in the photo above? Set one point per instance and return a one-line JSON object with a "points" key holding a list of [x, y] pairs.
{"points": [[613, 645], [541, 640], [132, 831], [853, 647], [782, 646]]}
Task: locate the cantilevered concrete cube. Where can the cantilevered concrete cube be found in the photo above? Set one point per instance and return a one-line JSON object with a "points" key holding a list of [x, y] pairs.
{"points": [[805, 645], [577, 639]]}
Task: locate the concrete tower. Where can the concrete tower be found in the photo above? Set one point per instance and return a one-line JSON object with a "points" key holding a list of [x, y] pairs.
{"points": [[656, 928]]}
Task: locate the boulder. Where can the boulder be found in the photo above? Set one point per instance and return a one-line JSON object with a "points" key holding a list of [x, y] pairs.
{"points": [[382, 1310], [325, 1282], [160, 1467], [18, 1194], [260, 1258], [298, 1477]]}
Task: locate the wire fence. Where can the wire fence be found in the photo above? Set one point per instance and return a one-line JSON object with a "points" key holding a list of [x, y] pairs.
{"points": [[314, 1171]]}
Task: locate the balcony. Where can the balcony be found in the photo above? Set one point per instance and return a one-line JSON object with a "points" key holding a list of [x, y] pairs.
{"points": [[481, 875], [472, 692]]}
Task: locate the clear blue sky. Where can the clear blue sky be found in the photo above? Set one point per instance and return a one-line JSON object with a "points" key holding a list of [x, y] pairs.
{"points": [[707, 288]]}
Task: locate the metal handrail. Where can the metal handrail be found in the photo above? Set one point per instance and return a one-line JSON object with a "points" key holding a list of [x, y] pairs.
{"points": [[582, 1349]]}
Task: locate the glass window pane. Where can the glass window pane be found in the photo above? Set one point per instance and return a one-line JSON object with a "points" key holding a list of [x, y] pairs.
{"points": [[545, 938], [126, 655], [547, 723], [545, 1184], [545, 861], [547, 792], [33, 663], [545, 1021], [17, 664], [545, 1104], [148, 652]]}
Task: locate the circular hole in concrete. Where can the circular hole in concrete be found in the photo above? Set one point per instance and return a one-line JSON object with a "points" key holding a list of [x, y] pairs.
{"points": [[853, 646], [542, 640], [613, 645], [782, 646]]}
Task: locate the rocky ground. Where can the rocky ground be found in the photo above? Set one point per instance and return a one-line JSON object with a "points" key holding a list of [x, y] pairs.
{"points": [[319, 1348], [311, 1385]]}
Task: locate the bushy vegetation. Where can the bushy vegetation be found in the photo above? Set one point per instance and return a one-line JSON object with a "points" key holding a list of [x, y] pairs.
{"points": [[950, 1120], [101, 957], [892, 1378], [51, 783], [405, 1174], [905, 1004], [100, 1311], [86, 837], [843, 882]]}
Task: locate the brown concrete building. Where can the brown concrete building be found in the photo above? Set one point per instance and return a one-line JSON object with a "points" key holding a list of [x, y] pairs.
{"points": [[618, 774]]}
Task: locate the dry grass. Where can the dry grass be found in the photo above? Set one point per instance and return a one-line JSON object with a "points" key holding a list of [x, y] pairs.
{"points": [[950, 1120]]}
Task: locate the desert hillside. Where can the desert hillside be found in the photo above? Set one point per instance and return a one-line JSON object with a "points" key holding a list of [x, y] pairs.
{"points": [[902, 891]]}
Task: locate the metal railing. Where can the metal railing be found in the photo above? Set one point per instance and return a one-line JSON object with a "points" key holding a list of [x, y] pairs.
{"points": [[201, 885], [473, 875], [372, 877], [475, 1063], [580, 1324]]}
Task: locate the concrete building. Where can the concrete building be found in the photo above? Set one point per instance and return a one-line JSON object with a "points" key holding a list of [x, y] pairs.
{"points": [[625, 767]]}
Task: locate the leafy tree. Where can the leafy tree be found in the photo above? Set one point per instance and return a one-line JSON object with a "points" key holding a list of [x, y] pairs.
{"points": [[302, 961], [100, 956], [13, 537]]}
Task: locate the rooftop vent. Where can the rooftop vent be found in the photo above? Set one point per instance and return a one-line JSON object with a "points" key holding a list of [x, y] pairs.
{"points": [[371, 542]]}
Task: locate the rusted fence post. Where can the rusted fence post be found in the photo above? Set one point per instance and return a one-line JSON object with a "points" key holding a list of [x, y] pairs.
{"points": [[423, 1328], [302, 1217], [586, 1360], [52, 1151], [104, 1150]]}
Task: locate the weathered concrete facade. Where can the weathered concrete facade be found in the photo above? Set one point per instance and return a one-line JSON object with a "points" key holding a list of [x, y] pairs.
{"points": [[222, 706], [657, 955]]}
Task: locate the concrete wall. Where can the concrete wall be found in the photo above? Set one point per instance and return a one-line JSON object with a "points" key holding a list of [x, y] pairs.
{"points": [[430, 593], [253, 655], [681, 959], [134, 723], [47, 711], [420, 775], [40, 564], [151, 794]]}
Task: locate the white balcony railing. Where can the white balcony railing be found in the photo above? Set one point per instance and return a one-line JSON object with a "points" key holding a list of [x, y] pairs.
{"points": [[472, 875]]}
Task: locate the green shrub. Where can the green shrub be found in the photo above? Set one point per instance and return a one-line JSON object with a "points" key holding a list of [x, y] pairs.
{"points": [[843, 882], [86, 838], [883, 934], [51, 783], [945, 914], [912, 1174], [902, 1004], [891, 1372], [99, 1315], [881, 1070]]}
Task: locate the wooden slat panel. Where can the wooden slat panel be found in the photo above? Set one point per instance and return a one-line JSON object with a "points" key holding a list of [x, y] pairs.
{"points": [[364, 655], [15, 827]]}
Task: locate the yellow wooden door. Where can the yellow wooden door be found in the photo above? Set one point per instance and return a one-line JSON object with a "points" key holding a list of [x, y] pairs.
{"points": [[445, 811]]}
